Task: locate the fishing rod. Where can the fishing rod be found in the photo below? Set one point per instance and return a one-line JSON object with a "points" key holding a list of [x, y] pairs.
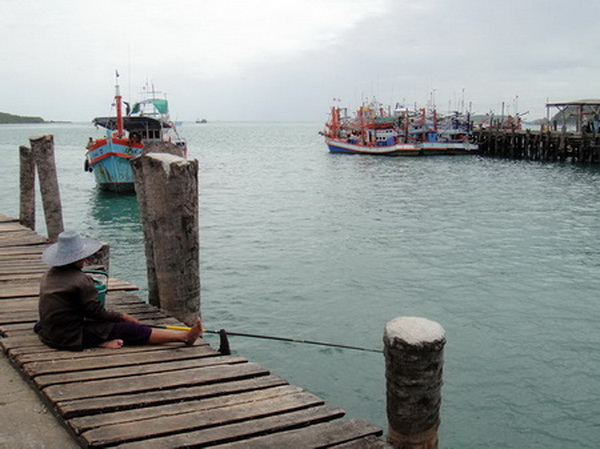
{"points": [[267, 337]]}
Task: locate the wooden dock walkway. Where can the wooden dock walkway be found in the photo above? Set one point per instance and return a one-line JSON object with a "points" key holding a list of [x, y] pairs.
{"points": [[157, 396]]}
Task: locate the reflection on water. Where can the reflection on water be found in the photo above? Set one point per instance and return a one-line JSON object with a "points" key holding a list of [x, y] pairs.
{"points": [[114, 218], [114, 207]]}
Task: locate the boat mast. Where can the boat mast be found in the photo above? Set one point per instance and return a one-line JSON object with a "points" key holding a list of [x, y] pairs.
{"points": [[118, 100]]}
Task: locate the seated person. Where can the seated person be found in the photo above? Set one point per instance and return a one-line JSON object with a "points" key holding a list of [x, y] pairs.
{"points": [[71, 315]]}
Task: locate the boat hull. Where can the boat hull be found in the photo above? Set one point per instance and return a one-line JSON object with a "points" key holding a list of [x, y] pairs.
{"points": [[400, 149], [110, 161], [448, 148]]}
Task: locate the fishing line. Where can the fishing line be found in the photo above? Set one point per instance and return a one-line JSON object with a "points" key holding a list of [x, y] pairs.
{"points": [[268, 337]]}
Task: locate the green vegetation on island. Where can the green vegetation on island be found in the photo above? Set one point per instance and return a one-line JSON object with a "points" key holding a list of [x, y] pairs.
{"points": [[10, 118]]}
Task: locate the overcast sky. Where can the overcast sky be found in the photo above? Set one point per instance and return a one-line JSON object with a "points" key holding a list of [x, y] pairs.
{"points": [[288, 59]]}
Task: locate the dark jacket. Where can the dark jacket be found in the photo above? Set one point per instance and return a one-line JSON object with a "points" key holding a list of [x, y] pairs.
{"points": [[68, 303]]}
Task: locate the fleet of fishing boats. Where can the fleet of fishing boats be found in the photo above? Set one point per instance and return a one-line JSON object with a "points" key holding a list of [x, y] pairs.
{"points": [[373, 130], [377, 130]]}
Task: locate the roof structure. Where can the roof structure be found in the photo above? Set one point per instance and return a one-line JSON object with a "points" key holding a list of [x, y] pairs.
{"points": [[584, 111]]}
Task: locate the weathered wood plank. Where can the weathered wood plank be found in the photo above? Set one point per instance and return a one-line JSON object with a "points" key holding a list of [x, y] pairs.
{"points": [[85, 423], [11, 226], [21, 341], [241, 430], [19, 317], [319, 435], [19, 289], [26, 354], [24, 250], [107, 404], [118, 360], [19, 304], [46, 380], [149, 382], [370, 442], [21, 238], [7, 219], [21, 276], [164, 425]]}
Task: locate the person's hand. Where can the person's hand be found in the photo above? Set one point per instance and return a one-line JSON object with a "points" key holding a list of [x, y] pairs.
{"points": [[129, 318]]}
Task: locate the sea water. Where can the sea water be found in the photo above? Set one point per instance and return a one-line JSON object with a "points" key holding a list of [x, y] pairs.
{"points": [[297, 242]]}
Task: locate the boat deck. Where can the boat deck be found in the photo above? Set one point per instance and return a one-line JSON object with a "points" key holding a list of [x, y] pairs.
{"points": [[157, 396]]}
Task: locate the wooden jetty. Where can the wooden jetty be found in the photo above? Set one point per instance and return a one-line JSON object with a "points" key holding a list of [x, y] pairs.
{"points": [[549, 146], [157, 396]]}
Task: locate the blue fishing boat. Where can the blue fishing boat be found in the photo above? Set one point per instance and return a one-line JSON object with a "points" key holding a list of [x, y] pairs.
{"points": [[126, 137]]}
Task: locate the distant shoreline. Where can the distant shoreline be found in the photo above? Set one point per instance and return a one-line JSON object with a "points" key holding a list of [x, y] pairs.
{"points": [[6, 118]]}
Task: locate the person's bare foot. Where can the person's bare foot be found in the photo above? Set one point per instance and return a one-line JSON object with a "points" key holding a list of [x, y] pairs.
{"points": [[194, 333], [112, 344]]}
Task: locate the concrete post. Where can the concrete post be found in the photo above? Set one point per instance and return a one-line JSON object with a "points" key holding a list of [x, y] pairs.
{"points": [[167, 191], [27, 186], [413, 349], [43, 153]]}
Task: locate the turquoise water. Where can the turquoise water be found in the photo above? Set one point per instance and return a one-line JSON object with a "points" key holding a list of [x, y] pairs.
{"points": [[301, 243]]}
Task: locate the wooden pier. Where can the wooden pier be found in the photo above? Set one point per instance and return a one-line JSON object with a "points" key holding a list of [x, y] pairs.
{"points": [[549, 146], [157, 396]]}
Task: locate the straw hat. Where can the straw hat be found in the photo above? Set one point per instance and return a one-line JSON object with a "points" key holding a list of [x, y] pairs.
{"points": [[70, 248]]}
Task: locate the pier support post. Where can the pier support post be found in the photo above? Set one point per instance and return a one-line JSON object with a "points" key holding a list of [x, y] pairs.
{"points": [[167, 190], [43, 153], [413, 349], [27, 187]]}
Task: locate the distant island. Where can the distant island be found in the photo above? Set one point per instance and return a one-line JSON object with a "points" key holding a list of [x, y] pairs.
{"points": [[10, 118]]}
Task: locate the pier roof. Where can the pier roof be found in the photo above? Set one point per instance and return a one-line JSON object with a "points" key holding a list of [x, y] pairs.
{"points": [[588, 102]]}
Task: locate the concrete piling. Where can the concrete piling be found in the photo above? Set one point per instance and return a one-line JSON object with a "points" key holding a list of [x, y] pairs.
{"points": [[43, 154], [413, 349], [27, 187], [167, 190]]}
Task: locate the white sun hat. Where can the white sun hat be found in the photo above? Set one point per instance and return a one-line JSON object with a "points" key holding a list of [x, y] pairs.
{"points": [[70, 248]]}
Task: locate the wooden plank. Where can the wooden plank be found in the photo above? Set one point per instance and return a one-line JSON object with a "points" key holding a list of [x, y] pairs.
{"points": [[14, 329], [118, 360], [21, 276], [7, 219], [370, 442], [78, 407], [22, 250], [149, 382], [11, 226], [26, 354], [19, 317], [18, 304], [319, 435], [241, 430], [45, 380], [30, 339], [30, 288], [21, 239], [164, 425], [84, 423]]}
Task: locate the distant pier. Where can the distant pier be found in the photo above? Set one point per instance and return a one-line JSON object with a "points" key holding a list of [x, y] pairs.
{"points": [[547, 146]]}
